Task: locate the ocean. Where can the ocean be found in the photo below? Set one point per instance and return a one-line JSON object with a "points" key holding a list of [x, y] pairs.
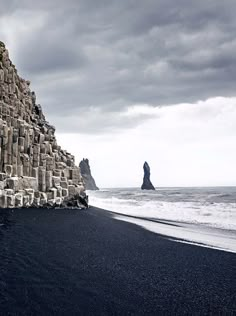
{"points": [[208, 212]]}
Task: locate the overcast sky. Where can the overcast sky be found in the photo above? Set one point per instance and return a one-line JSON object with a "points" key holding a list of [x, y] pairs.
{"points": [[132, 80]]}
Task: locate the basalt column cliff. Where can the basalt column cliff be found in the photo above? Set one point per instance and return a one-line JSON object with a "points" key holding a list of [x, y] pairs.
{"points": [[34, 170]]}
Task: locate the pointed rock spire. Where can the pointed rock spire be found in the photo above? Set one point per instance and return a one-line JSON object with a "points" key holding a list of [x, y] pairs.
{"points": [[147, 184]]}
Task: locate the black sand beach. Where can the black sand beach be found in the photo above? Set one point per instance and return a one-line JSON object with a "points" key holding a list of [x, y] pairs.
{"points": [[70, 262]]}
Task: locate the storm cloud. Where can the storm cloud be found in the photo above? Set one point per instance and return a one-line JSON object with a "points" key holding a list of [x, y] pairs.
{"points": [[96, 59]]}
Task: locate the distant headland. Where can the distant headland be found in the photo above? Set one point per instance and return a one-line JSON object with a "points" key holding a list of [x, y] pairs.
{"points": [[89, 181]]}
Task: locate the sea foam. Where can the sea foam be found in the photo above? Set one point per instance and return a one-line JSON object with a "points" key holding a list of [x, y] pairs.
{"points": [[214, 207]]}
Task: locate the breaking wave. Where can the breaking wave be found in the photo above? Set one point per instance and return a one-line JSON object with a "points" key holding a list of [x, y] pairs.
{"points": [[215, 207]]}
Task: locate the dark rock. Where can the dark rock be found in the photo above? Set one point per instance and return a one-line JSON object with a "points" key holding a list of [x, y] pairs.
{"points": [[77, 201], [147, 184], [89, 181], [83, 201]]}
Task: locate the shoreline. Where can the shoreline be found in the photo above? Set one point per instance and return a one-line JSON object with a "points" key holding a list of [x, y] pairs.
{"points": [[87, 262], [196, 234]]}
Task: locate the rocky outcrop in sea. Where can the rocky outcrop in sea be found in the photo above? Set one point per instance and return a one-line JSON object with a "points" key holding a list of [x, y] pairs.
{"points": [[147, 184], [34, 169], [89, 181]]}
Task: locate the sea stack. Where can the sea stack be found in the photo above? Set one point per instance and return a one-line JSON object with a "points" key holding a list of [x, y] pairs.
{"points": [[34, 170], [89, 181], [147, 184]]}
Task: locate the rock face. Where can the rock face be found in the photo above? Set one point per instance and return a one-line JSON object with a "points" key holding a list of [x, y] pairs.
{"points": [[34, 170], [87, 176], [147, 184]]}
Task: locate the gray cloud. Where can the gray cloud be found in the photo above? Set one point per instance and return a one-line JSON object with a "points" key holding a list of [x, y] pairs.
{"points": [[113, 54]]}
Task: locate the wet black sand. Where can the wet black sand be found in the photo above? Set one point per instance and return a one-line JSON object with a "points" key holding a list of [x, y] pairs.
{"points": [[70, 262]]}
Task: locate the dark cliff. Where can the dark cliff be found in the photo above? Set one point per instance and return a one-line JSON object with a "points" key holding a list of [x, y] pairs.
{"points": [[85, 170]]}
